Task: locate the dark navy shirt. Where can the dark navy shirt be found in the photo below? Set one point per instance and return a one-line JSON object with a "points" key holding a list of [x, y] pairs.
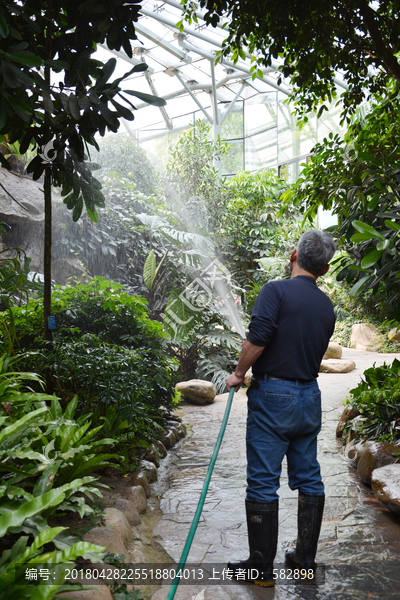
{"points": [[294, 320]]}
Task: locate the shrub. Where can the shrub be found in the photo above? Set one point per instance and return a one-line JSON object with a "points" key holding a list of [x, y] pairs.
{"points": [[107, 352], [378, 400], [41, 472]]}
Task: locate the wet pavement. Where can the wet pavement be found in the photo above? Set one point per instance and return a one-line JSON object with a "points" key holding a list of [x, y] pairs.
{"points": [[360, 540]]}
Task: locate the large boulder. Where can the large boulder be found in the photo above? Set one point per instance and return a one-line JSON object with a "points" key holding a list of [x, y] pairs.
{"points": [[378, 454], [107, 537], [139, 479], [394, 335], [137, 495], [129, 509], [348, 414], [64, 268], [333, 350], [150, 470], [353, 451], [115, 519], [197, 391], [365, 337], [336, 366], [385, 483]]}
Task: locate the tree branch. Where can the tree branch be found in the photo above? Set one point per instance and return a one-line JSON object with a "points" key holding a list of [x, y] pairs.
{"points": [[388, 60]]}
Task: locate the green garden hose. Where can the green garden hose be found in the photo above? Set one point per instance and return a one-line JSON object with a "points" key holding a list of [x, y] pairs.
{"points": [[202, 498]]}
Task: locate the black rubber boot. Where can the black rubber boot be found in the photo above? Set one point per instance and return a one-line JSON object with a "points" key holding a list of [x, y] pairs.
{"points": [[309, 518], [262, 531]]}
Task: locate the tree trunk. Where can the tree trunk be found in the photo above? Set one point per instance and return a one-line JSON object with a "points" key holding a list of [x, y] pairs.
{"points": [[48, 336], [47, 253]]}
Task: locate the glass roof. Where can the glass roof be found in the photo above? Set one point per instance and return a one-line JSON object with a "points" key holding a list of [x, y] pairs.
{"points": [[181, 68]]}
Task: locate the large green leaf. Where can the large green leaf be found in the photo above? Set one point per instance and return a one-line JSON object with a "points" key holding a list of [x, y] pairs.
{"points": [[21, 423], [392, 225], [149, 269], [371, 258], [28, 509], [365, 228], [149, 98], [359, 285]]}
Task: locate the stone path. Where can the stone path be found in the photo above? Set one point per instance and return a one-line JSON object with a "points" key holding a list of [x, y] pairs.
{"points": [[360, 540]]}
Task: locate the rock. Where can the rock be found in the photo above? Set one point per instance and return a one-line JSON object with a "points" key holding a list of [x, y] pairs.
{"points": [[101, 592], [152, 457], [150, 470], [377, 455], [394, 335], [64, 268], [161, 448], [169, 438], [336, 366], [129, 509], [140, 479], [115, 519], [385, 483], [105, 536], [247, 377], [333, 350], [348, 414], [137, 496], [197, 391], [365, 337], [180, 431], [354, 451]]}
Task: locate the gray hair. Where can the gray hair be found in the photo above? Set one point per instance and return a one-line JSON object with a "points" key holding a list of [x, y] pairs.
{"points": [[315, 249]]}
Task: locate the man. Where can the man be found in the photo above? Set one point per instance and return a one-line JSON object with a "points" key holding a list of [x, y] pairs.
{"points": [[291, 325]]}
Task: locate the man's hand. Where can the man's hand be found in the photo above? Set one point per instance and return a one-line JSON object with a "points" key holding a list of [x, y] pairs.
{"points": [[234, 381], [250, 353]]}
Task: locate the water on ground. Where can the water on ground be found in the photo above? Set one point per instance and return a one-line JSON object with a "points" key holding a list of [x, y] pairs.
{"points": [[359, 542]]}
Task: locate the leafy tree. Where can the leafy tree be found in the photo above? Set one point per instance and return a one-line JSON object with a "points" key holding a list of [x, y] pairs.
{"points": [[191, 172], [122, 154], [358, 178], [249, 229], [55, 94], [315, 39]]}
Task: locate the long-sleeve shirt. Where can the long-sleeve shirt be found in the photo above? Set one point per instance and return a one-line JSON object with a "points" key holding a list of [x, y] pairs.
{"points": [[294, 320]]}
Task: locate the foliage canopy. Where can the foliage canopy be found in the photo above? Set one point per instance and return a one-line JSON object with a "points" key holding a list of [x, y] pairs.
{"points": [[315, 39]]}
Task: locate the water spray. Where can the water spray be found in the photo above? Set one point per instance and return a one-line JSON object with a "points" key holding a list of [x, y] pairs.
{"points": [[220, 285]]}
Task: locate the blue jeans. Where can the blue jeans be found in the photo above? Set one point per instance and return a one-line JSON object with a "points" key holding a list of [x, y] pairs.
{"points": [[284, 417]]}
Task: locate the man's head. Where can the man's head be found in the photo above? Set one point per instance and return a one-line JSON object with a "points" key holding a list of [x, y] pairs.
{"points": [[314, 251]]}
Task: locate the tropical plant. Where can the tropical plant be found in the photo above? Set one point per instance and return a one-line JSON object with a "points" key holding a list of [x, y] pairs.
{"points": [[313, 43], [249, 227], [109, 353], [358, 178], [195, 189], [61, 118], [44, 449], [45, 458], [19, 563], [377, 398]]}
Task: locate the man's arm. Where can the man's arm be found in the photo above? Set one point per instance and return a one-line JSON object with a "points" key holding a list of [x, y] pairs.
{"points": [[250, 353]]}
